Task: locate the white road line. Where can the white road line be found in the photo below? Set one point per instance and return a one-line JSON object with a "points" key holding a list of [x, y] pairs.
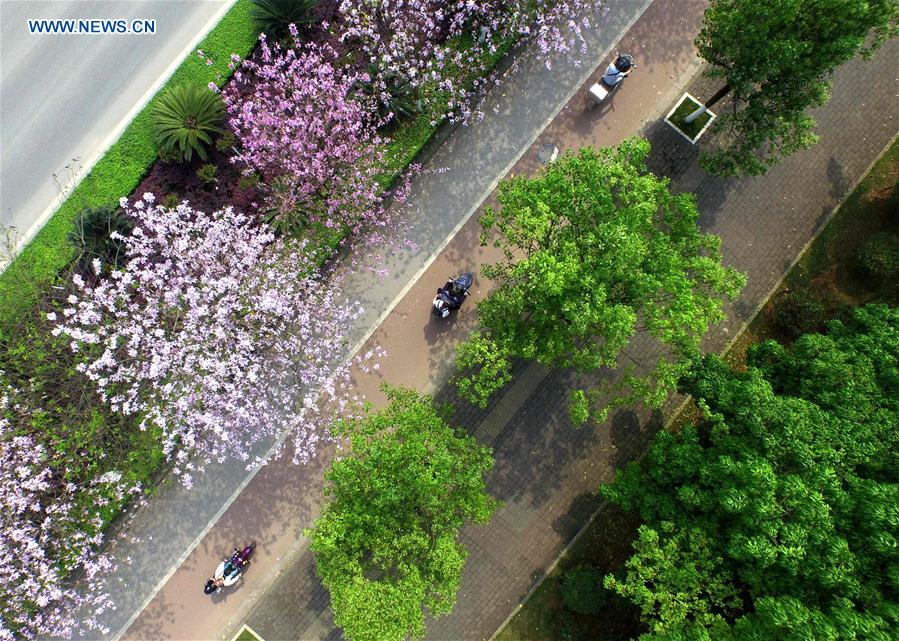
{"points": [[116, 132], [402, 293]]}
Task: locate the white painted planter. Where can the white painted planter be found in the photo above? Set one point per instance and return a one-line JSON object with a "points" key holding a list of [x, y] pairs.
{"points": [[692, 141], [246, 628]]}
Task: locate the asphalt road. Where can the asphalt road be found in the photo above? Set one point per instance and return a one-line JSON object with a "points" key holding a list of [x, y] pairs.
{"points": [[65, 97]]}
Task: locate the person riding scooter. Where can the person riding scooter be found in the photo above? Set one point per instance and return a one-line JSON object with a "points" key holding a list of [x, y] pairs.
{"points": [[618, 70], [455, 293], [451, 295], [229, 570]]}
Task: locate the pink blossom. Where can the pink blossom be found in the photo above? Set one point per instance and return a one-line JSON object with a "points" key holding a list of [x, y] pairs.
{"points": [[49, 529], [212, 332]]}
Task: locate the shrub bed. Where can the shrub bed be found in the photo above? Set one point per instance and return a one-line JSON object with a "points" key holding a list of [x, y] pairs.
{"points": [[118, 172], [878, 259], [582, 589], [82, 436]]}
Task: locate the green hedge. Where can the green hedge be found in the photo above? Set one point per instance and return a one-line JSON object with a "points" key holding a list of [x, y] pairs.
{"points": [[410, 138], [117, 173], [125, 164]]}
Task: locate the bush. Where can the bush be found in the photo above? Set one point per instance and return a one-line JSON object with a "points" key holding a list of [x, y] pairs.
{"points": [[273, 17], [878, 259], [391, 97], [582, 590], [797, 313], [91, 237], [171, 201], [247, 181], [569, 627], [184, 121], [225, 142], [207, 172]]}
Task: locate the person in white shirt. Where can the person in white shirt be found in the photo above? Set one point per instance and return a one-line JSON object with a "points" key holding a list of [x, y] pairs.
{"points": [[618, 70]]}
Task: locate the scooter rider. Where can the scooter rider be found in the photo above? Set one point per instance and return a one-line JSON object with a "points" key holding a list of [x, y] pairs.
{"points": [[618, 70], [453, 291], [232, 567]]}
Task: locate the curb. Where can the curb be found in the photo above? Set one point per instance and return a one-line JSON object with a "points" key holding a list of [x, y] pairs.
{"points": [[115, 134]]}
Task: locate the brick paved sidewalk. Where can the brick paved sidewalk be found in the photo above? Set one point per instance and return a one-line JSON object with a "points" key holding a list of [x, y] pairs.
{"points": [[547, 471]]}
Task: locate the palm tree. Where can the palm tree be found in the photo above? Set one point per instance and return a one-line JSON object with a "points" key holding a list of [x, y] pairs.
{"points": [[185, 118]]}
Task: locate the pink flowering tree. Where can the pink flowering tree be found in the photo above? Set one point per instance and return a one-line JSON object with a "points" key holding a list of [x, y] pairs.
{"points": [[215, 332], [427, 42], [50, 529], [314, 145]]}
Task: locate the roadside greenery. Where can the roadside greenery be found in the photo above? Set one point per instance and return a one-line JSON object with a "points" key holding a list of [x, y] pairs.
{"points": [[274, 17], [777, 517], [777, 58], [185, 119], [386, 545], [117, 173], [597, 249], [828, 271], [68, 465], [70, 460]]}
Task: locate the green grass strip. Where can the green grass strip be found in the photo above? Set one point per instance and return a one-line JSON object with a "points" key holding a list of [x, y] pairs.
{"points": [[117, 173]]}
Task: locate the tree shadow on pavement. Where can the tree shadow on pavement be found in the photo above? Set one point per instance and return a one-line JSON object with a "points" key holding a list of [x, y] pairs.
{"points": [[296, 605], [534, 451], [576, 514]]}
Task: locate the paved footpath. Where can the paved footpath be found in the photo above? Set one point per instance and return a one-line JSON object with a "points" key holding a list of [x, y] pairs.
{"points": [[181, 534], [546, 471]]}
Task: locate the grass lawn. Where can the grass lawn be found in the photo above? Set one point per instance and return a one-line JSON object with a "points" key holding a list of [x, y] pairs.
{"points": [[117, 173], [246, 635], [684, 109], [827, 271]]}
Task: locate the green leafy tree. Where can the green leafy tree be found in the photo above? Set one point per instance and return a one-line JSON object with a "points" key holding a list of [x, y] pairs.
{"points": [[776, 57], [185, 119], [596, 249], [674, 576], [386, 543], [789, 493]]}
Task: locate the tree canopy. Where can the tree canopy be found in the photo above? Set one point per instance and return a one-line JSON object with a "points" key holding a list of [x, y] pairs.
{"points": [[777, 56], [778, 518], [386, 543], [596, 249]]}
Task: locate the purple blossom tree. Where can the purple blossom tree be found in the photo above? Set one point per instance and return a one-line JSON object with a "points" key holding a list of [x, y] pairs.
{"points": [[50, 529], [215, 332], [299, 127], [427, 42]]}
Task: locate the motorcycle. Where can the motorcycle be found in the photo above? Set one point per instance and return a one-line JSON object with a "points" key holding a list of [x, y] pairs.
{"points": [[229, 570], [611, 80], [451, 295]]}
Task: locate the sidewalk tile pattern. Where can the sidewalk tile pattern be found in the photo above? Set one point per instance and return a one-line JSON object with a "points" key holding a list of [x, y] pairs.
{"points": [[547, 471]]}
